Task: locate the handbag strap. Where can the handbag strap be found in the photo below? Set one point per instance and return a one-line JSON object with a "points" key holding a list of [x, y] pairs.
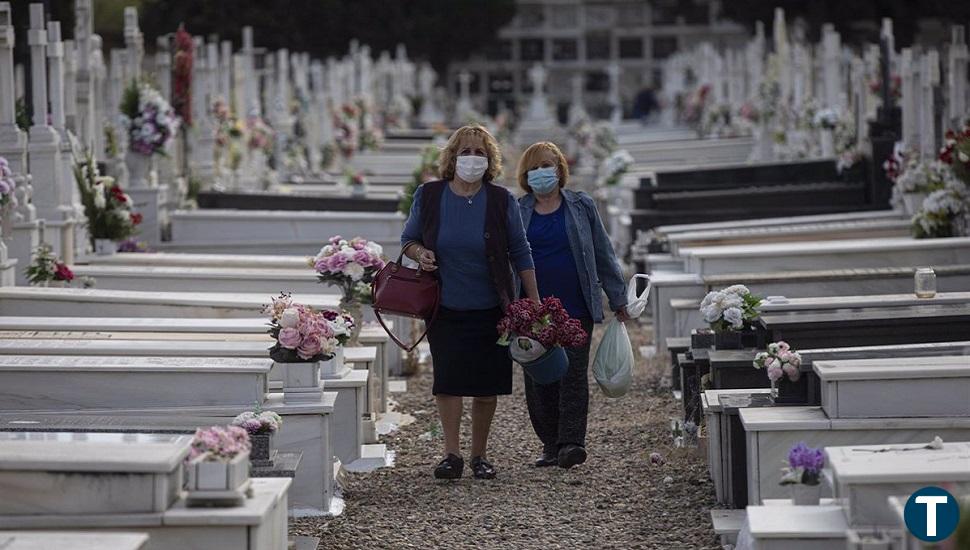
{"points": [[427, 327]]}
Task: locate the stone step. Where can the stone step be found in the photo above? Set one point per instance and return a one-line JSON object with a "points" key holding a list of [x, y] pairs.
{"points": [[75, 540], [259, 524], [89, 473], [38, 383], [933, 386], [865, 476], [77, 302], [205, 279], [239, 261], [745, 173], [727, 524], [770, 433], [787, 527]]}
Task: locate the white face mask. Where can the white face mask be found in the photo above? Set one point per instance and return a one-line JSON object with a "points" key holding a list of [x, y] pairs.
{"points": [[471, 168]]}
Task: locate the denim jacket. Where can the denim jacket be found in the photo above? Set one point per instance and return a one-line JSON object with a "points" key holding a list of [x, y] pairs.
{"points": [[591, 248]]}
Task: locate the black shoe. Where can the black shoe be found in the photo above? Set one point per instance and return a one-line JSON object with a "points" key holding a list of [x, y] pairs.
{"points": [[571, 455], [482, 468], [449, 468], [548, 458]]}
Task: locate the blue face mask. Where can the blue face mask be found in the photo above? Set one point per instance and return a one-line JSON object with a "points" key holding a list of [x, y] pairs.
{"points": [[543, 180]]}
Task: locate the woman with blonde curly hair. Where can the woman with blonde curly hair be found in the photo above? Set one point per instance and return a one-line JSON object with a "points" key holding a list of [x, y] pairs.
{"points": [[575, 262], [468, 230]]}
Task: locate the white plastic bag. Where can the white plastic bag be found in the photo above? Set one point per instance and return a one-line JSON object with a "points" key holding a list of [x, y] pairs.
{"points": [[613, 365]]}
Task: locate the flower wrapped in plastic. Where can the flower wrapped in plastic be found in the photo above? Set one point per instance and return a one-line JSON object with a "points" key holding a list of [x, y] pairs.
{"points": [[530, 329]]}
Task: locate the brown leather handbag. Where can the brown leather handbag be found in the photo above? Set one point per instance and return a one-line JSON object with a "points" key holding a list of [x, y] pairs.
{"points": [[399, 290]]}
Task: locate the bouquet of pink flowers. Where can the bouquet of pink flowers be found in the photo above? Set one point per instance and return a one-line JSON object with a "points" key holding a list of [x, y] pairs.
{"points": [[301, 334], [346, 263], [547, 324], [220, 443], [779, 360]]}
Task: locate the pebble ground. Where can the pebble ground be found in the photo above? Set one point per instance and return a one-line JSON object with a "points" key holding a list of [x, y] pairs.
{"points": [[618, 499]]}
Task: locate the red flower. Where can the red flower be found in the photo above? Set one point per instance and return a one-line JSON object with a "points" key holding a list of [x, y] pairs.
{"points": [[62, 272], [136, 218], [182, 75]]}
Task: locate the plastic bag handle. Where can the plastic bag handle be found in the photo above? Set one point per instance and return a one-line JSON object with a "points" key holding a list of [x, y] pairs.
{"points": [[636, 303]]}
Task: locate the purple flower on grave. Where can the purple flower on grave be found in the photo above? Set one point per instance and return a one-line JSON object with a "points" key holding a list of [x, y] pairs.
{"points": [[806, 458]]}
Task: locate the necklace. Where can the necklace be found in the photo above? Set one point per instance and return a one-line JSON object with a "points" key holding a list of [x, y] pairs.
{"points": [[468, 197]]}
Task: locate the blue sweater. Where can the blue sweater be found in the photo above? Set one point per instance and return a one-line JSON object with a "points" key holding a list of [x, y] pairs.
{"points": [[460, 251], [556, 270]]}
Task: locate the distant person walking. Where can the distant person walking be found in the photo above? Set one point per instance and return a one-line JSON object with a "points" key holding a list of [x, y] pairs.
{"points": [[646, 104], [575, 262], [468, 230]]}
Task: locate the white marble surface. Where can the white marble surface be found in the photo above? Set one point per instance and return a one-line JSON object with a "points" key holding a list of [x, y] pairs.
{"points": [[75, 540], [933, 386], [864, 215], [795, 522], [247, 261], [259, 524], [894, 368], [92, 452], [832, 254], [349, 406], [57, 383], [204, 279]]}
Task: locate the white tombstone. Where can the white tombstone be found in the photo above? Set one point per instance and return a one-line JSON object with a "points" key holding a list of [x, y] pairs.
{"points": [[616, 105], [929, 80], [577, 112], [464, 109], [957, 78], [782, 54], [831, 49], [430, 110], [84, 126], [754, 56], [538, 103], [909, 103], [99, 77], [44, 147], [163, 75], [225, 71], [134, 43], [59, 98], [203, 144], [250, 103]]}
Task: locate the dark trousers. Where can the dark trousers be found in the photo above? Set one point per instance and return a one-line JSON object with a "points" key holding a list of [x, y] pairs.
{"points": [[558, 411]]}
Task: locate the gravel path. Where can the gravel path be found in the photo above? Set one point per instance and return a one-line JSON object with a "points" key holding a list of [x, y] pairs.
{"points": [[616, 500]]}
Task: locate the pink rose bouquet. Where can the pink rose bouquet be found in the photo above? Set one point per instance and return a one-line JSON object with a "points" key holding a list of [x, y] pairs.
{"points": [[348, 264], [779, 360], [301, 334], [220, 443]]}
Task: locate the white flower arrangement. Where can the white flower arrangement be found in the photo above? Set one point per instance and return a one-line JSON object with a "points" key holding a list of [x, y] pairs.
{"points": [[730, 309], [615, 166], [826, 119], [924, 177], [779, 360], [258, 422], [945, 212]]}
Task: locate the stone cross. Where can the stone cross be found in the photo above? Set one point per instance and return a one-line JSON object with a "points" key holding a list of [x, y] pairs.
{"points": [[70, 86], [251, 104], [577, 111], [860, 97], [754, 56], [613, 99], [464, 106], [12, 141], [956, 82], [831, 51], [134, 43], [225, 71], [782, 54], [909, 103], [163, 66], [84, 126], [55, 76], [929, 80]]}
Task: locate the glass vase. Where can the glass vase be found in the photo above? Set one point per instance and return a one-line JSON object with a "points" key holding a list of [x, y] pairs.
{"points": [[354, 309]]}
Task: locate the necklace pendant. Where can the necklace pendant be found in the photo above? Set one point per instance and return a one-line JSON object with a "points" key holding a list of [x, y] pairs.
{"points": [[469, 200]]}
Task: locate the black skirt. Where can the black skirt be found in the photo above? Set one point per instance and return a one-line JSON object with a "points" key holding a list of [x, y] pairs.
{"points": [[466, 359]]}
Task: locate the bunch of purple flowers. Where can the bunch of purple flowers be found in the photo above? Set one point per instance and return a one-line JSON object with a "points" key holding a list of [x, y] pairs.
{"points": [[220, 443], [804, 465]]}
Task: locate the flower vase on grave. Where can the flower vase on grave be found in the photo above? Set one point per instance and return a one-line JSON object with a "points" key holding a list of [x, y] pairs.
{"points": [[806, 495], [827, 142], [913, 202], [786, 392], [261, 454], [105, 247], [210, 474], [333, 367], [139, 166], [354, 309]]}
